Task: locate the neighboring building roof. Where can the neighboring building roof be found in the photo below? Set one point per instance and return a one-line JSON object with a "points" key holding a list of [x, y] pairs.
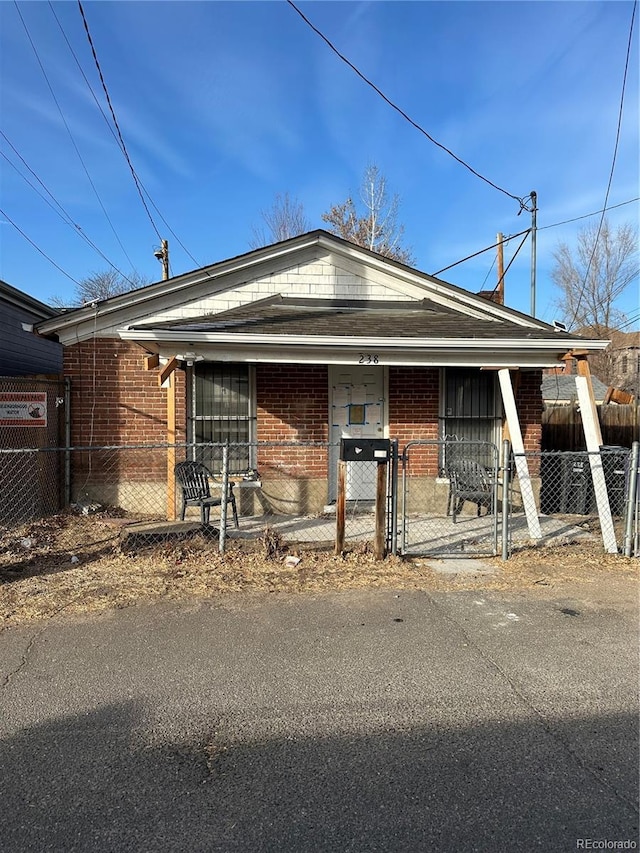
{"points": [[23, 353], [38, 310], [560, 388]]}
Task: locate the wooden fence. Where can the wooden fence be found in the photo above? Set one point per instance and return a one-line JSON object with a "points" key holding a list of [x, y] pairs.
{"points": [[562, 426]]}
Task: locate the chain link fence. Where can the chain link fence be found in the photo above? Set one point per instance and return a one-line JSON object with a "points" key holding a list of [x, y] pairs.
{"points": [[32, 415], [449, 499], [578, 494], [276, 490]]}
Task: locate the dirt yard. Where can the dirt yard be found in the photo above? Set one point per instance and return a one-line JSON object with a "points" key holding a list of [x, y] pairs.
{"points": [[76, 564]]}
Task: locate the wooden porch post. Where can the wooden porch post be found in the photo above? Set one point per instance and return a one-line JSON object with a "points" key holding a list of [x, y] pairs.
{"points": [[167, 378], [171, 449]]}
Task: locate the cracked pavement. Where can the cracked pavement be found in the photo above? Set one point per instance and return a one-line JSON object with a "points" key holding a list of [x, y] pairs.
{"points": [[353, 721]]}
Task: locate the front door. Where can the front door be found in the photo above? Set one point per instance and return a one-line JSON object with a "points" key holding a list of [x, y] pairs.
{"points": [[357, 411]]}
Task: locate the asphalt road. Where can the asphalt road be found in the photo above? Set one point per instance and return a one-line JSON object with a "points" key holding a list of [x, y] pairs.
{"points": [[359, 721]]}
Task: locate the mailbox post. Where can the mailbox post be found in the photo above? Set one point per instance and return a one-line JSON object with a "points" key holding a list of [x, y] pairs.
{"points": [[363, 450]]}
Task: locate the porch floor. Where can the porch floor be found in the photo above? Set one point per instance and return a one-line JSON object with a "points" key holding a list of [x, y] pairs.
{"points": [[424, 534]]}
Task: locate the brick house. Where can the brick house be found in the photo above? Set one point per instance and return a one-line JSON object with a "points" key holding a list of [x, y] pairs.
{"points": [[307, 340]]}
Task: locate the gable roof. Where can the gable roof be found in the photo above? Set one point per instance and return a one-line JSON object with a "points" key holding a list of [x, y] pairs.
{"points": [[283, 315], [314, 290]]}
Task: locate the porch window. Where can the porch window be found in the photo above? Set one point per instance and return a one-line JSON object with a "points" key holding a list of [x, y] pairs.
{"points": [[222, 410], [470, 405]]}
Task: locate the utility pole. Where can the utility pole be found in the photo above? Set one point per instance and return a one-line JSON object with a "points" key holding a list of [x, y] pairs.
{"points": [[500, 264], [162, 254], [534, 211]]}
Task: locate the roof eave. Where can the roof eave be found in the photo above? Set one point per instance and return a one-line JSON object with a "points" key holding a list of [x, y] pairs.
{"points": [[354, 341]]}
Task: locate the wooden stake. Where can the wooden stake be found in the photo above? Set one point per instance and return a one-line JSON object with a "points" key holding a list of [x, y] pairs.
{"points": [[341, 506], [381, 501]]}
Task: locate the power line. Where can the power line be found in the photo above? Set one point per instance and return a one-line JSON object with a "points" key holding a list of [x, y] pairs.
{"points": [[613, 165], [482, 251], [36, 247], [115, 120], [521, 201], [629, 322], [515, 254], [118, 143], [62, 213], [73, 142], [587, 215], [493, 263]]}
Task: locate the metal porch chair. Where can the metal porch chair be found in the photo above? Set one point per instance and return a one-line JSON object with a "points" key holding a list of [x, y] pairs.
{"points": [[194, 479], [468, 481]]}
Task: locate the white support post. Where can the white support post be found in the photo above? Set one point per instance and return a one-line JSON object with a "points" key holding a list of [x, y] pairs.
{"points": [[593, 439], [515, 434]]}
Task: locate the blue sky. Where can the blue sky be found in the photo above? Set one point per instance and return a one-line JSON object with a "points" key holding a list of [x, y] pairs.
{"points": [[223, 105]]}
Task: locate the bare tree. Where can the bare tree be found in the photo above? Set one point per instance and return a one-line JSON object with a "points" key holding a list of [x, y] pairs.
{"points": [[377, 228], [591, 278], [284, 219], [99, 286]]}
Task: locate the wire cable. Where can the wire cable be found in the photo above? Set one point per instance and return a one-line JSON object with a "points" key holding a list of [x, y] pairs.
{"points": [[493, 263], [521, 201], [613, 165], [71, 137], [61, 212], [35, 246], [506, 270], [482, 251], [115, 120], [587, 215], [118, 143]]}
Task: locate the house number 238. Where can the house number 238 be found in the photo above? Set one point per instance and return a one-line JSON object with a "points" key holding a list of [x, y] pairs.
{"points": [[368, 358]]}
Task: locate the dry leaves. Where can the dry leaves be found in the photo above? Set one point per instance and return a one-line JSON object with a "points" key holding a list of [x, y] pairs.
{"points": [[78, 564]]}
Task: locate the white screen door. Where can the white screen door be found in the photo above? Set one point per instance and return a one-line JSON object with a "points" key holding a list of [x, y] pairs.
{"points": [[357, 411]]}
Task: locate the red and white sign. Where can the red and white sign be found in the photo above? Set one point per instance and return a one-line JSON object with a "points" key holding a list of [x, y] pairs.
{"points": [[23, 409]]}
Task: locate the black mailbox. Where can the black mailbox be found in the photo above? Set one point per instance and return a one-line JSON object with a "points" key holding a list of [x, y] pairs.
{"points": [[365, 449]]}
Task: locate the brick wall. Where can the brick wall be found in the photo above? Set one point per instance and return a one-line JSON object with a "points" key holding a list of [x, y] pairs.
{"points": [[115, 401], [292, 405], [413, 413], [529, 404]]}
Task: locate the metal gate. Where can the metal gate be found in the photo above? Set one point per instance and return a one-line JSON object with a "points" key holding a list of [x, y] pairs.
{"points": [[449, 503]]}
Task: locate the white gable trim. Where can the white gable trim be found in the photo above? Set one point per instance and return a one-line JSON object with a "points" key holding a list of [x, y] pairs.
{"points": [[319, 247]]}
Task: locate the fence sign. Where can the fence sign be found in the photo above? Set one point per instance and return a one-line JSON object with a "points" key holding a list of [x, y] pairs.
{"points": [[23, 408]]}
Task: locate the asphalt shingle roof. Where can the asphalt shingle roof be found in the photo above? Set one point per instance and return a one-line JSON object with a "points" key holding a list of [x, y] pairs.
{"points": [[558, 386], [312, 317]]}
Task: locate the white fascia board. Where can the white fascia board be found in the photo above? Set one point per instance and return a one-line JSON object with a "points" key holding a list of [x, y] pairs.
{"points": [[353, 342], [398, 357]]}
